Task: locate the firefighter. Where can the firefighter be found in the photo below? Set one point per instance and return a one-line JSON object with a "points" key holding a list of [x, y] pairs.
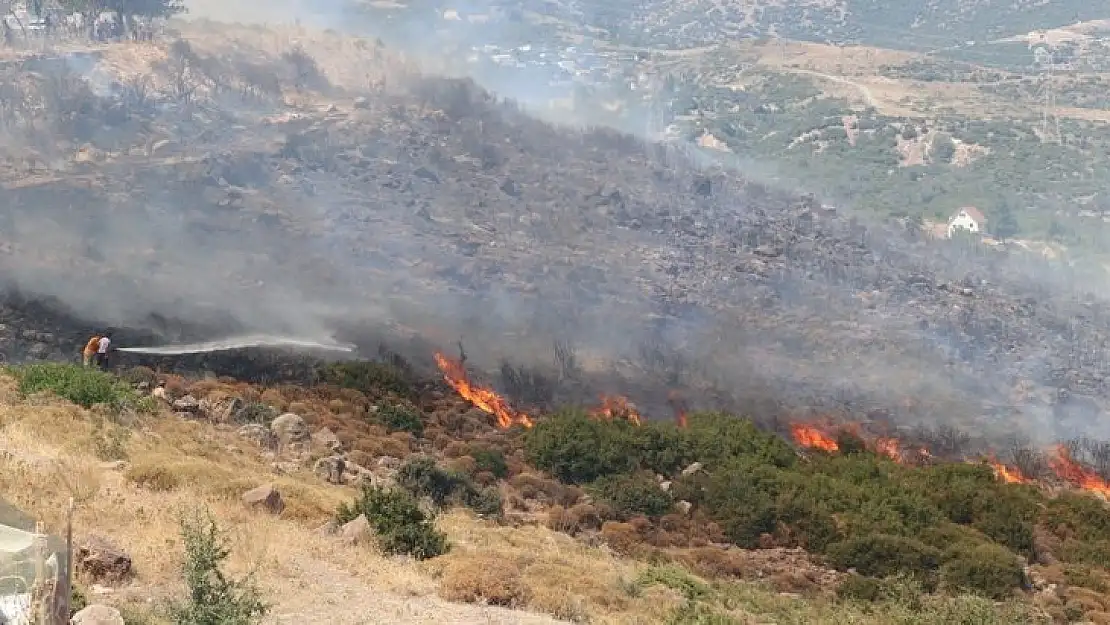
{"points": [[89, 352]]}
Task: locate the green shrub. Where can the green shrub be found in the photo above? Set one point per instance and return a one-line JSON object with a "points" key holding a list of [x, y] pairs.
{"points": [[400, 525], [256, 412], [716, 438], [988, 570], [856, 587], [1085, 577], [400, 418], [421, 476], [1077, 516], [633, 494], [576, 449], [77, 600], [213, 598], [882, 556], [367, 376], [491, 460], [81, 385]]}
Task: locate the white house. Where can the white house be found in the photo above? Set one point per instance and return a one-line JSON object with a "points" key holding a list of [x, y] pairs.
{"points": [[969, 218]]}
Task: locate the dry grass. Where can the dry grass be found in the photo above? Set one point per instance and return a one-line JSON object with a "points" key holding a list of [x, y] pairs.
{"points": [[483, 579]]}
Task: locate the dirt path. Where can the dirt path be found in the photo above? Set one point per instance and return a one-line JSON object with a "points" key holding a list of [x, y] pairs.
{"points": [[328, 595]]}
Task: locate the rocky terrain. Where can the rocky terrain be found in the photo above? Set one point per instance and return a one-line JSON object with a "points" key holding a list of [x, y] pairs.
{"points": [[248, 178]]}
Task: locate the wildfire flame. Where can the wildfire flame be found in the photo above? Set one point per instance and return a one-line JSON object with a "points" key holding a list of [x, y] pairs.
{"points": [[617, 407], [1010, 475], [454, 373], [889, 447], [809, 436], [1070, 470]]}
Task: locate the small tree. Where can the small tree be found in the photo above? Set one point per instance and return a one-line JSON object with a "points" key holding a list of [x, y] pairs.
{"points": [[1005, 224], [213, 599], [943, 148]]}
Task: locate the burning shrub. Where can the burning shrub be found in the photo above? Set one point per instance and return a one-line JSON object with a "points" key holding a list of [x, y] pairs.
{"points": [[400, 418], [399, 524], [881, 555], [368, 377], [987, 570], [484, 579], [633, 494]]}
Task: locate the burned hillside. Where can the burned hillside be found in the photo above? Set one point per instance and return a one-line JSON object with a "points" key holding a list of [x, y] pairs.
{"points": [[251, 179]]}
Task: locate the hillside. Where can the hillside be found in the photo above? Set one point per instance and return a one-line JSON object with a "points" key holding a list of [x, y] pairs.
{"points": [[609, 545]]}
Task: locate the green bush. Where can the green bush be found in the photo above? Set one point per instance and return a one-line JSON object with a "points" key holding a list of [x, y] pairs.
{"points": [[633, 494], [1077, 516], [213, 598], [856, 587], [988, 570], [400, 525], [883, 556], [576, 449], [421, 476], [367, 376], [400, 418], [491, 460], [81, 385]]}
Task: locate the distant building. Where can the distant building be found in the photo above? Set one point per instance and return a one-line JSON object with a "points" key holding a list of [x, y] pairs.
{"points": [[968, 218]]}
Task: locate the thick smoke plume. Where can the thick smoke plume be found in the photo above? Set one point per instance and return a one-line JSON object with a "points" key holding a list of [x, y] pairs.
{"points": [[350, 196]]}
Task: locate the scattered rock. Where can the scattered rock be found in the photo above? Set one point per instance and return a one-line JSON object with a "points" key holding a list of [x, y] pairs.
{"points": [[357, 532], [265, 497], [115, 465], [665, 486], [684, 506], [361, 103], [331, 528], [97, 615], [102, 561], [330, 469], [289, 428], [692, 469], [258, 433], [327, 439], [389, 462], [187, 404]]}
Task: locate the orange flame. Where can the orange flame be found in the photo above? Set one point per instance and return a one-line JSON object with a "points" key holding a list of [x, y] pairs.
{"points": [[1070, 470], [617, 407], [809, 436], [1010, 475], [889, 447], [454, 373]]}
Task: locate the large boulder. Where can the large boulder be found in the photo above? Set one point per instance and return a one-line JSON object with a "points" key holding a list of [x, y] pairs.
{"points": [[327, 439], [102, 561], [289, 429], [358, 531], [265, 497], [97, 615]]}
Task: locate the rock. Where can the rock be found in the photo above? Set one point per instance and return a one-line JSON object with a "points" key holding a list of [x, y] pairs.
{"points": [[327, 439], [265, 497], [187, 404], [289, 428], [101, 561], [259, 434], [684, 506], [357, 532], [330, 469], [389, 462], [331, 528], [115, 465], [665, 486], [692, 469], [361, 103], [97, 615]]}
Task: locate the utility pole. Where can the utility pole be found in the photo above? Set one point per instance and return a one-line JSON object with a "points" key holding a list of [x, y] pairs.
{"points": [[1050, 121]]}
